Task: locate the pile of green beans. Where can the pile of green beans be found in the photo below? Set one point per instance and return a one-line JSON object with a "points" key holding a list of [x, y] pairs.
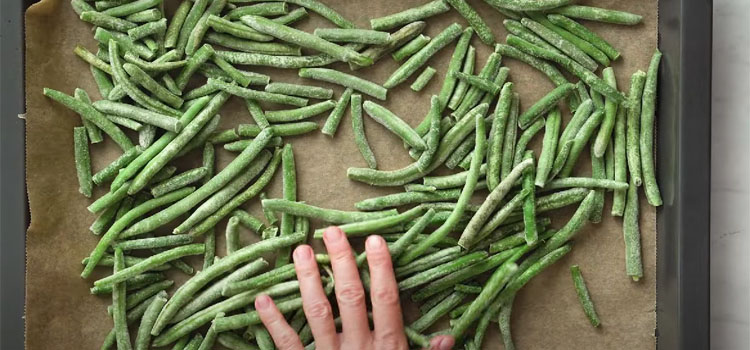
{"points": [[462, 260]]}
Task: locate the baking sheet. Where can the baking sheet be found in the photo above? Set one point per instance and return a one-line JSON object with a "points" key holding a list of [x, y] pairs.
{"points": [[61, 314]]}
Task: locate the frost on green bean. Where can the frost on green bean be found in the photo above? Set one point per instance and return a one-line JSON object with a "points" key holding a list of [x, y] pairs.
{"points": [[299, 114], [549, 147], [475, 21], [411, 47], [583, 295], [299, 90], [362, 36], [599, 14], [544, 104], [410, 15], [359, 132], [604, 135], [409, 67], [461, 86], [561, 43], [304, 39], [82, 160], [584, 33], [334, 118], [346, 80], [250, 46], [460, 55], [395, 124], [423, 79], [328, 215], [585, 46], [648, 111], [263, 9]]}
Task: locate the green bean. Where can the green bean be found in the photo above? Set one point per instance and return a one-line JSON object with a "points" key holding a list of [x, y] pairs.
{"points": [[193, 63], [580, 140], [279, 274], [149, 15], [108, 199], [82, 160], [125, 122], [610, 114], [441, 270], [529, 203], [509, 139], [362, 36], [144, 294], [407, 16], [256, 111], [292, 62], [632, 235], [432, 139], [234, 73], [257, 95], [598, 99], [131, 7], [423, 79], [189, 21], [153, 66], [456, 313], [527, 5], [137, 282], [395, 124], [88, 112], [549, 147], [118, 300], [244, 45], [213, 293], [598, 14], [588, 48], [299, 90], [584, 33], [436, 299], [125, 205], [419, 188], [232, 234], [221, 25], [251, 318], [346, 80], [103, 82], [174, 146], [233, 342], [462, 86], [429, 261], [420, 58], [437, 312], [359, 132], [182, 296], [140, 114], [170, 84], [568, 135], [81, 6], [479, 82], [451, 181], [411, 47], [637, 87], [404, 198], [289, 192], [198, 33], [516, 28], [544, 104], [397, 39], [516, 240], [492, 287], [497, 132], [147, 29], [328, 215], [154, 242], [263, 9], [104, 36], [584, 74], [476, 228], [108, 260], [504, 323], [150, 262], [104, 219], [195, 342], [457, 62], [364, 227], [304, 39], [583, 296], [586, 182], [286, 129], [475, 21], [549, 70], [176, 23], [650, 187], [463, 199], [561, 43], [201, 137], [620, 166], [106, 21], [609, 160], [525, 138], [230, 135], [412, 172], [292, 115]]}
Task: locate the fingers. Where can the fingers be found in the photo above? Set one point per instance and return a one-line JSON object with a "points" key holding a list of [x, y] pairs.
{"points": [[386, 309], [283, 335], [350, 295], [442, 342], [314, 301]]}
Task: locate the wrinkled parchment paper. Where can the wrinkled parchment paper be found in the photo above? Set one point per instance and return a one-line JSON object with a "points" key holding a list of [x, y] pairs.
{"points": [[61, 314]]}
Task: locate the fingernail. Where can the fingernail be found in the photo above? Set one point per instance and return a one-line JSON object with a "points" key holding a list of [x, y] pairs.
{"points": [[262, 301], [333, 234], [303, 252], [375, 242]]}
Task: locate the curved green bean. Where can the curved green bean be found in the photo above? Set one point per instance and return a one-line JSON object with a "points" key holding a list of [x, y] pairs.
{"points": [[650, 187], [395, 124], [583, 295], [429, 9], [293, 115]]}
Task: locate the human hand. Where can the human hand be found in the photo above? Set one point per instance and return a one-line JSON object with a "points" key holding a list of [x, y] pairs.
{"points": [[350, 296]]}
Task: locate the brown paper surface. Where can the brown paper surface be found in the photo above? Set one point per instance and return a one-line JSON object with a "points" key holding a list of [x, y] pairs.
{"points": [[61, 314]]}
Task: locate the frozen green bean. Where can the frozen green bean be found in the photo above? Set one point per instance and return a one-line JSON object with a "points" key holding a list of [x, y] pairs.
{"points": [[648, 110], [509, 139], [457, 62], [637, 87], [362, 36], [632, 235], [82, 160], [346, 80], [328, 215], [423, 79], [604, 135], [395, 124], [429, 9], [583, 295], [544, 104], [257, 95], [598, 14], [293, 115], [359, 132], [584, 33], [414, 62], [299, 90], [411, 47], [549, 147], [154, 242], [620, 160], [265, 9]]}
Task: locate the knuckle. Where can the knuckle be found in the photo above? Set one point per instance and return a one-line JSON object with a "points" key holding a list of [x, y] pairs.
{"points": [[391, 340], [350, 295], [318, 310], [286, 341], [386, 296]]}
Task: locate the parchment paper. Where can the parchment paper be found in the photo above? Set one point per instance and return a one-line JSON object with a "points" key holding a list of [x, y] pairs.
{"points": [[61, 314]]}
